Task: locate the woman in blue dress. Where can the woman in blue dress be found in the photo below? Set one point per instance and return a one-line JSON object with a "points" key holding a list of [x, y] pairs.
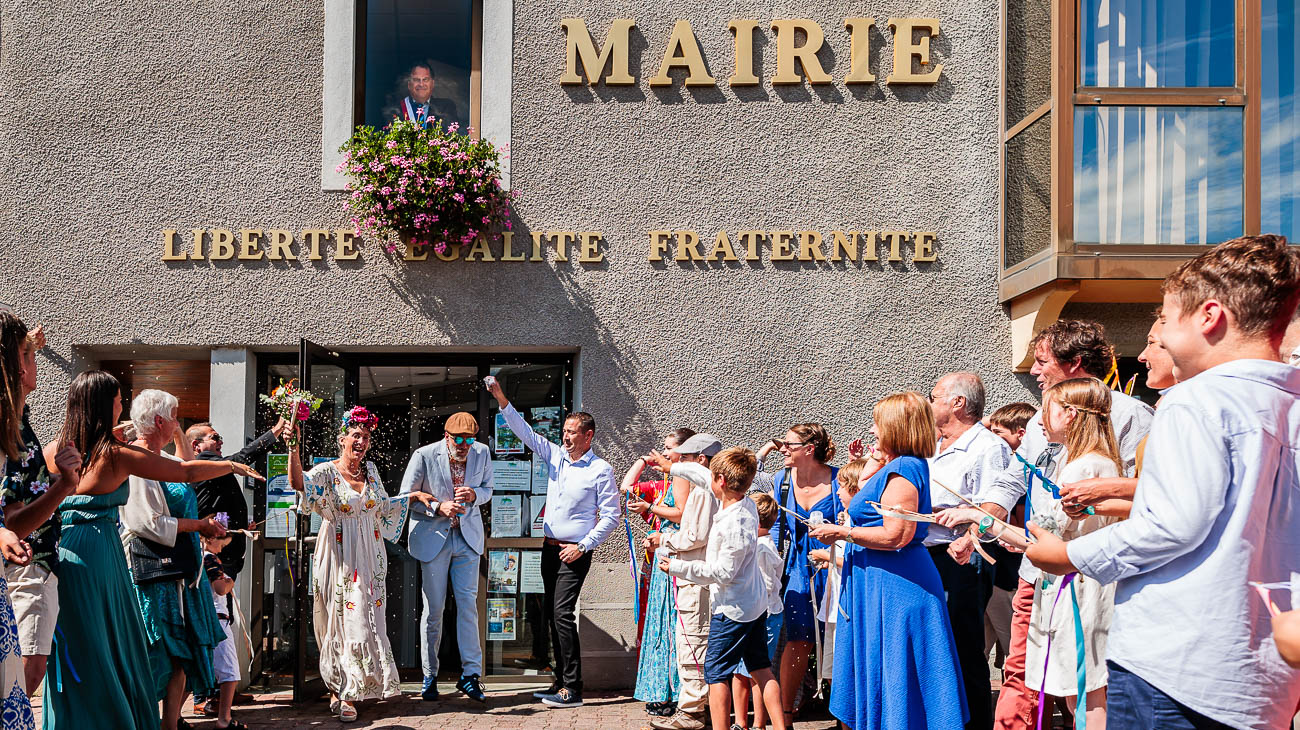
{"points": [[660, 503], [895, 660], [806, 485]]}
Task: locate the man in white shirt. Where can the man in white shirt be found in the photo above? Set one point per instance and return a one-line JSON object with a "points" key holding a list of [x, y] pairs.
{"points": [[582, 510], [738, 628], [1064, 350], [968, 458], [1214, 510]]}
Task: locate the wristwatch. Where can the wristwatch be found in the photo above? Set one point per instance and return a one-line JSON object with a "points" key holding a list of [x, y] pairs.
{"points": [[985, 524], [435, 507]]}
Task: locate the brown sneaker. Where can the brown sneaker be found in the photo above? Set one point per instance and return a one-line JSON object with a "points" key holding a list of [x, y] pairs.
{"points": [[679, 721]]}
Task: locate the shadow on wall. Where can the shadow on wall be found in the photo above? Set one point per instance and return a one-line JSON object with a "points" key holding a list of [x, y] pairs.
{"points": [[610, 378]]}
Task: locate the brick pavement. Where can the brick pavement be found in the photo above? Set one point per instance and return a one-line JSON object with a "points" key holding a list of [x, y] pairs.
{"points": [[508, 708]]}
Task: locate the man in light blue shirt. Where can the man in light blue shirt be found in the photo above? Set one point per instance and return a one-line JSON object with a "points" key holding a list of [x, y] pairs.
{"points": [[582, 509], [1217, 507]]}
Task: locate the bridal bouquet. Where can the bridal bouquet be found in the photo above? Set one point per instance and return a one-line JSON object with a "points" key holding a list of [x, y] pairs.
{"points": [[293, 404]]}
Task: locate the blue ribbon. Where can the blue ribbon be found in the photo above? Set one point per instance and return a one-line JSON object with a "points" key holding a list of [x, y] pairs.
{"points": [[1081, 671], [636, 580], [1032, 471], [58, 675]]}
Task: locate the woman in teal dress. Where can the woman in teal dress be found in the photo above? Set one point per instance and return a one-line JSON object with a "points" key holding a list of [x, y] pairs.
{"points": [[180, 621], [657, 682], [99, 675]]}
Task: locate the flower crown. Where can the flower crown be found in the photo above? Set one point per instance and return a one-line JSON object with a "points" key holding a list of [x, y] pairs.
{"points": [[358, 417]]}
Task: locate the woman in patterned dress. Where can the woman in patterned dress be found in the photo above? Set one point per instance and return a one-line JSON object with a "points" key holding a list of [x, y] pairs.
{"points": [[15, 708], [351, 564]]}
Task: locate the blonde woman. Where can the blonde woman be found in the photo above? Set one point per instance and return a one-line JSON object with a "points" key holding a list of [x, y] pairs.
{"points": [[893, 641]]}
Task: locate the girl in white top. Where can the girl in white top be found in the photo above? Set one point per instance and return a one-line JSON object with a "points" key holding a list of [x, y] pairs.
{"points": [[1076, 413], [832, 559]]}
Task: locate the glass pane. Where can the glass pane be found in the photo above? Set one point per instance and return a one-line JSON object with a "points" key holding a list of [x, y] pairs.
{"points": [[412, 403], [1157, 43], [517, 642], [1157, 174], [1279, 127], [1029, 57], [1027, 210], [418, 59]]}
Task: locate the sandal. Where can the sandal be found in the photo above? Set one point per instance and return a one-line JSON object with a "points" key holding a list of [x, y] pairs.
{"points": [[347, 712]]}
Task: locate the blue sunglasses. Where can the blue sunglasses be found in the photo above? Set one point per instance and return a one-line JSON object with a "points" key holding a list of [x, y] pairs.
{"points": [[462, 440]]}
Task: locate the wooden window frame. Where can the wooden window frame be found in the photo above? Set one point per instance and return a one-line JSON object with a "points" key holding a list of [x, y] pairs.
{"points": [[1067, 93]]}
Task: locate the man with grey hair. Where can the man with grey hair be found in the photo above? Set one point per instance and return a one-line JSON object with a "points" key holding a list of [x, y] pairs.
{"points": [[968, 457]]}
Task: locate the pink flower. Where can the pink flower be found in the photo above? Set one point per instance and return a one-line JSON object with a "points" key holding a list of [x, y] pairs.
{"points": [[458, 198], [392, 144], [304, 410], [385, 190]]}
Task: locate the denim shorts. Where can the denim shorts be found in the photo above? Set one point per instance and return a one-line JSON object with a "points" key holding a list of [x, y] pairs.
{"points": [[730, 643]]}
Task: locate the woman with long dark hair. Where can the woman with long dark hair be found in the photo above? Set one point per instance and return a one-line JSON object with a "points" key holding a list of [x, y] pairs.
{"points": [[99, 674], [29, 498]]}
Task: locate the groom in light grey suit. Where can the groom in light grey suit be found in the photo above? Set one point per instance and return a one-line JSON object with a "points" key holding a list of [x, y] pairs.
{"points": [[448, 542]]}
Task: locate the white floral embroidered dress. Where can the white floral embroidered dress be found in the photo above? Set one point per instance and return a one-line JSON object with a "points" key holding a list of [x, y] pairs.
{"points": [[349, 569]]}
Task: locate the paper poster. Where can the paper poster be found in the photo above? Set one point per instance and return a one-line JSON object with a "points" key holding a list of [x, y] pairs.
{"points": [[281, 500], [503, 571], [530, 572], [507, 515], [511, 475], [548, 422], [506, 440], [501, 619], [537, 513], [541, 474]]}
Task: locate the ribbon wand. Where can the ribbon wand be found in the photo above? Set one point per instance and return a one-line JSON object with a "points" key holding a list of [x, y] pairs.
{"points": [[631, 559]]}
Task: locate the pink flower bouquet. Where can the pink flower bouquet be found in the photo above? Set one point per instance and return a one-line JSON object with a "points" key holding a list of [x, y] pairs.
{"points": [[293, 404]]}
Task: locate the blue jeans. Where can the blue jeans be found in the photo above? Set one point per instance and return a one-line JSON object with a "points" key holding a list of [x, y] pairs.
{"points": [[1134, 704]]}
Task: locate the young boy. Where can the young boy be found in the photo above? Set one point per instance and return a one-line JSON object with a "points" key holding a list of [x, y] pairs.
{"points": [[738, 628], [771, 565], [1215, 507], [225, 660], [1009, 421]]}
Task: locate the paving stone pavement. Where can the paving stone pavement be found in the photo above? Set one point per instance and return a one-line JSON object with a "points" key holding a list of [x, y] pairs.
{"points": [[509, 708]]}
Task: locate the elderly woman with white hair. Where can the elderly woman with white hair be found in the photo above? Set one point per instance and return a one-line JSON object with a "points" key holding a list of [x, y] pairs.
{"points": [[160, 528]]}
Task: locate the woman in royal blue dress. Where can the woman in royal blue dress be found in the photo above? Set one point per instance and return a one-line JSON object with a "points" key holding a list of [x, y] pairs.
{"points": [[806, 485], [895, 659]]}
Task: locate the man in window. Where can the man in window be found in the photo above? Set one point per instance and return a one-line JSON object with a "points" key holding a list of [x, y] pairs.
{"points": [[419, 106]]}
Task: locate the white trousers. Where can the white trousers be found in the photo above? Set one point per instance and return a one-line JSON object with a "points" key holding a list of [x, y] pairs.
{"points": [[457, 561]]}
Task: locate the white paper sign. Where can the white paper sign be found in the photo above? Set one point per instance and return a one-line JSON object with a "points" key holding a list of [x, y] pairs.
{"points": [[530, 572], [537, 513], [507, 515], [511, 476], [541, 475]]}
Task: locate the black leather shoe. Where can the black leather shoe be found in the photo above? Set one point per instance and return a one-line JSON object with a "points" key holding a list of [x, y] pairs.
{"points": [[472, 688]]}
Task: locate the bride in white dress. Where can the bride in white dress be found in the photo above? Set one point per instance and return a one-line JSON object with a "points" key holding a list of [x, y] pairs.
{"points": [[350, 565]]}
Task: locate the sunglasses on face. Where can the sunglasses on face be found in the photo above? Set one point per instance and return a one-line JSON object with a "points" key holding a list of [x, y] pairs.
{"points": [[215, 438], [787, 444], [462, 440]]}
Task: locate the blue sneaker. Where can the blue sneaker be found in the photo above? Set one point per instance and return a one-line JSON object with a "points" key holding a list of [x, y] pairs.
{"points": [[430, 691], [564, 698], [471, 687], [555, 687]]}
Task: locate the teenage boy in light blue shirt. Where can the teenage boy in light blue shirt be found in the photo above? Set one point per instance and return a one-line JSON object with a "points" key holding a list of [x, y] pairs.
{"points": [[1217, 507]]}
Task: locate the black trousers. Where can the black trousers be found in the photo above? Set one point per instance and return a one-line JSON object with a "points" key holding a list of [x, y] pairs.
{"points": [[968, 588], [563, 582]]}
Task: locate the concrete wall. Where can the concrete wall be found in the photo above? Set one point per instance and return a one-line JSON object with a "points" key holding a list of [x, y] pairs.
{"points": [[141, 118]]}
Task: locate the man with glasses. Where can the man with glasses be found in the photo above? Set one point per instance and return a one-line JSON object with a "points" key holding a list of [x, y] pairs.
{"points": [[224, 493], [447, 539], [1064, 350], [968, 458]]}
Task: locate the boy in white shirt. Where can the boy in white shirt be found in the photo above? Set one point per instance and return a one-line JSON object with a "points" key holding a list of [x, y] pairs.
{"points": [[738, 628], [771, 564], [225, 662]]}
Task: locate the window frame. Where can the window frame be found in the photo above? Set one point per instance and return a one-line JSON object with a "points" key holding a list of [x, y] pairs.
{"points": [[343, 87], [1063, 257]]}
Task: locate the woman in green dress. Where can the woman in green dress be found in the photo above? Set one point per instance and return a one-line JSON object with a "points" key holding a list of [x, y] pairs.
{"points": [[99, 673]]}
